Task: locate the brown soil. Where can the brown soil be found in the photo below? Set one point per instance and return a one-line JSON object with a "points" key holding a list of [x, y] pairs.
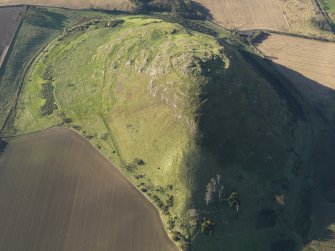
{"points": [[59, 193]]}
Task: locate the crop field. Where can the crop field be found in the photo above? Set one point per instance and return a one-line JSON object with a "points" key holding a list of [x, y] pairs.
{"points": [[244, 15], [59, 193], [10, 18], [329, 5], [309, 22], [74, 4]]}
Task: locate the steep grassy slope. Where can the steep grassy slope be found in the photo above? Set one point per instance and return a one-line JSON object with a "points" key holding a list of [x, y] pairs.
{"points": [[174, 108]]}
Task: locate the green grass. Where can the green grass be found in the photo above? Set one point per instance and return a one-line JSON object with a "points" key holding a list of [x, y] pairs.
{"points": [[330, 8], [330, 5], [188, 106]]}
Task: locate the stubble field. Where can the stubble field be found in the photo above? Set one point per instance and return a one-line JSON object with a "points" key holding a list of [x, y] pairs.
{"points": [[310, 20], [244, 15], [59, 193]]}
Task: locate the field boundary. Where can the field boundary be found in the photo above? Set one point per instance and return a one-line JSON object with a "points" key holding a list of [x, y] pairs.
{"points": [[325, 14]]}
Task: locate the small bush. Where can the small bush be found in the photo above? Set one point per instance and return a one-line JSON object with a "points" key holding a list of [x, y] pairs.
{"points": [[169, 201], [3, 145], [139, 162], [68, 121], [171, 224], [207, 226], [233, 200], [76, 127], [104, 136], [89, 137]]}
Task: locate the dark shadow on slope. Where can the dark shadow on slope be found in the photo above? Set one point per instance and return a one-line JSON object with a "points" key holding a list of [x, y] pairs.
{"points": [[45, 19], [245, 139]]}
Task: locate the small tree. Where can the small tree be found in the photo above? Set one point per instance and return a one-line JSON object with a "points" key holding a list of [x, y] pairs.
{"points": [[207, 226], [218, 178], [233, 200], [220, 191], [209, 193], [213, 181]]}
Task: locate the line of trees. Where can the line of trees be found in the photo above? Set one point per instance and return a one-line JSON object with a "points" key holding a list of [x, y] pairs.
{"points": [[176, 7]]}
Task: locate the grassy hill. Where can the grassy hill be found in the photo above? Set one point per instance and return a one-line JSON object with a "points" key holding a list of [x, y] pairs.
{"points": [[206, 129]]}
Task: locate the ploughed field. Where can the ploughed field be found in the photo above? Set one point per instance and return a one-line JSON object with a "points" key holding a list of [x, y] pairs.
{"points": [[9, 20], [246, 14], [59, 193]]}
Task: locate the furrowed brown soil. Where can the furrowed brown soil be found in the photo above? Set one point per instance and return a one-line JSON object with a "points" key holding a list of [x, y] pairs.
{"points": [[246, 14], [74, 4], [59, 193], [10, 18]]}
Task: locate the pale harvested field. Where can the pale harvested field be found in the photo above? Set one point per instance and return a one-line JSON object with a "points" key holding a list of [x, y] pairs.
{"points": [[313, 59], [247, 14], [300, 15], [59, 193], [74, 4], [10, 18]]}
